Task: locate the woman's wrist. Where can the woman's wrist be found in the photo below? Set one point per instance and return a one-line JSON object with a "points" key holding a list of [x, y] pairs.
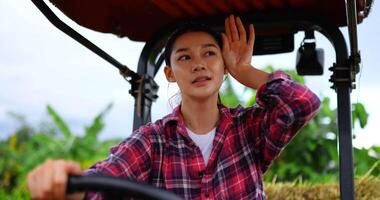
{"points": [[250, 76], [238, 71]]}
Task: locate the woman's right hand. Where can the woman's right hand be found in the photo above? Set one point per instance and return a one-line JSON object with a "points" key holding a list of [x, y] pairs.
{"points": [[48, 180], [237, 50]]}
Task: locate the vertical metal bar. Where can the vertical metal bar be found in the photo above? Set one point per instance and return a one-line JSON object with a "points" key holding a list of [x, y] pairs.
{"points": [[345, 144], [347, 191], [352, 25], [342, 83]]}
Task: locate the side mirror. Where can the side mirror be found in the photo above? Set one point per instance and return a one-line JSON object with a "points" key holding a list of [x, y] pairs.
{"points": [[310, 60]]}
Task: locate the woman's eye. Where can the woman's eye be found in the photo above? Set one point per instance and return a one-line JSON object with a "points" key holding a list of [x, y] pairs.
{"points": [[210, 53], [184, 57]]}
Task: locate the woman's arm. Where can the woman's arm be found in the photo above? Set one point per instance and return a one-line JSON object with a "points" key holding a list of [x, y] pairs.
{"points": [[284, 107], [237, 54]]}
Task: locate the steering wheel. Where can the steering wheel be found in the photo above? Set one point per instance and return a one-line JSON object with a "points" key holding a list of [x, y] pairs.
{"points": [[117, 188]]}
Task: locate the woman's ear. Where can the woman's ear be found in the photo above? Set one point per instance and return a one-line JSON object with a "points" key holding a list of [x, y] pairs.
{"points": [[169, 74]]}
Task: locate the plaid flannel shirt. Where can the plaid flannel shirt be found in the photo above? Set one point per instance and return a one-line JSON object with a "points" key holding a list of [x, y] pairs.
{"points": [[247, 140]]}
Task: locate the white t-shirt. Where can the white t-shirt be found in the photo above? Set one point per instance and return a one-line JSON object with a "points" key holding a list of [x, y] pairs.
{"points": [[204, 142]]}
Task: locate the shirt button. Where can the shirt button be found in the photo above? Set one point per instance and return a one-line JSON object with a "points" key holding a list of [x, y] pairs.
{"points": [[207, 194], [200, 174]]}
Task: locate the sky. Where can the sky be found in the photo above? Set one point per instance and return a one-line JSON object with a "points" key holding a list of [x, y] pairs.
{"points": [[40, 66]]}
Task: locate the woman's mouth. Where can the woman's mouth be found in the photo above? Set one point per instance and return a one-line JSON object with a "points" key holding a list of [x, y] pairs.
{"points": [[200, 79]]}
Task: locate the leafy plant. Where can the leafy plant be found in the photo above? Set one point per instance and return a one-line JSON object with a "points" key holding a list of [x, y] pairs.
{"points": [[28, 147]]}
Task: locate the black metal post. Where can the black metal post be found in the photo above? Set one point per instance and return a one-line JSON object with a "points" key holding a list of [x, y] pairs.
{"points": [[343, 83], [149, 62], [345, 144], [343, 89]]}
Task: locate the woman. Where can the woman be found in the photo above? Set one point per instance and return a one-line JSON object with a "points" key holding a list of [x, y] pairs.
{"points": [[203, 149]]}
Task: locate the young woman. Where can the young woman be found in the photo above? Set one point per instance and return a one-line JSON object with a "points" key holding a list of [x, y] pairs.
{"points": [[203, 149]]}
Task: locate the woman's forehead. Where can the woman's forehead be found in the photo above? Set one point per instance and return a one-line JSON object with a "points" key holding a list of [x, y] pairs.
{"points": [[191, 39]]}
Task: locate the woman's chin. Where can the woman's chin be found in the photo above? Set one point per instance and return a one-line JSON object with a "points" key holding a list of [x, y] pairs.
{"points": [[203, 95]]}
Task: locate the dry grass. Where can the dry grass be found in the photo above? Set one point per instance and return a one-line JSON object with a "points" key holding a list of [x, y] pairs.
{"points": [[366, 188]]}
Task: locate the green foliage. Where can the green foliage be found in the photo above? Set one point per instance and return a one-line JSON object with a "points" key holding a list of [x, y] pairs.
{"points": [[229, 96], [359, 114], [313, 154], [28, 147], [59, 123]]}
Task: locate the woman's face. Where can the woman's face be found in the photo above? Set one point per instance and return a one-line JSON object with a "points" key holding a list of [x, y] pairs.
{"points": [[196, 65]]}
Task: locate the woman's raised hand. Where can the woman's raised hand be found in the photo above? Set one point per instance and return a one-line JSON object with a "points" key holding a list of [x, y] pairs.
{"points": [[237, 51], [48, 180]]}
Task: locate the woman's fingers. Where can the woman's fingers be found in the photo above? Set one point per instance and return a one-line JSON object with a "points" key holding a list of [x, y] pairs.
{"points": [[226, 45], [32, 185], [59, 180], [251, 40], [73, 168], [233, 28], [63, 169], [44, 179], [242, 33], [228, 30]]}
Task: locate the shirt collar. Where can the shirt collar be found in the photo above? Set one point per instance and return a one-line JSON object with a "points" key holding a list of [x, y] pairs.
{"points": [[173, 117], [177, 117]]}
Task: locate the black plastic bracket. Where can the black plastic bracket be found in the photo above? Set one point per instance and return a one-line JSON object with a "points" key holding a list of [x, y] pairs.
{"points": [[345, 75], [342, 76], [143, 89]]}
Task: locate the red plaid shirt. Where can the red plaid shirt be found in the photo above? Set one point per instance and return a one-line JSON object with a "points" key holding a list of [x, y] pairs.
{"points": [[247, 140]]}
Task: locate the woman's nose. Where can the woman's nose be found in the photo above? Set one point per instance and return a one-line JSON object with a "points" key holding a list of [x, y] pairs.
{"points": [[198, 65]]}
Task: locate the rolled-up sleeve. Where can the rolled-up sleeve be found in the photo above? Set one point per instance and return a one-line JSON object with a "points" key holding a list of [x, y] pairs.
{"points": [[284, 107]]}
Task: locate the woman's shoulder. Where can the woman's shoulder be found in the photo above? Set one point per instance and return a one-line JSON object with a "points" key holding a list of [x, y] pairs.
{"points": [[157, 128], [239, 110], [150, 129]]}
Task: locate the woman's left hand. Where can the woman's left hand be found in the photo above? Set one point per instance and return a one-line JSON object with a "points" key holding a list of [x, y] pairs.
{"points": [[237, 51]]}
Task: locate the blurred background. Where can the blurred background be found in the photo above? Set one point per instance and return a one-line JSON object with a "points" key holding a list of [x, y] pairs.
{"points": [[51, 84]]}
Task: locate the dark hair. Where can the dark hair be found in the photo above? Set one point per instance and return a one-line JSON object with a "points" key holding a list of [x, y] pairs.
{"points": [[187, 28]]}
